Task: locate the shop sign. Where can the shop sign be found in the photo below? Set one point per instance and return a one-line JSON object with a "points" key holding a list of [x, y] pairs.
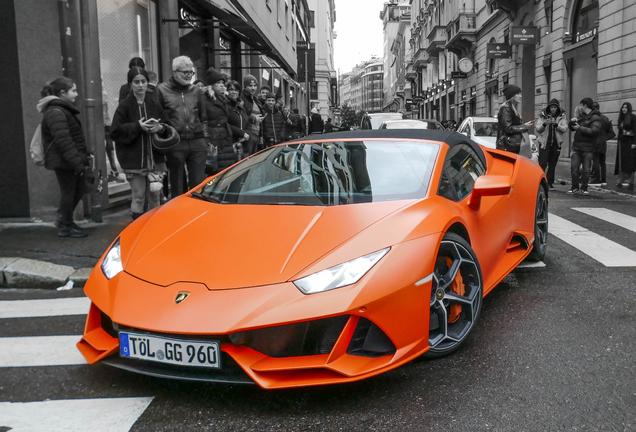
{"points": [[496, 50], [417, 99], [458, 75], [524, 35], [588, 34], [308, 64], [188, 19]]}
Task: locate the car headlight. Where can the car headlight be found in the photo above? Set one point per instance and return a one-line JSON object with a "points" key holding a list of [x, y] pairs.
{"points": [[340, 275], [111, 265]]}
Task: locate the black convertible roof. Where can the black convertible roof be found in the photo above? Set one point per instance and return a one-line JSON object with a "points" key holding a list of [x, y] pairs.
{"points": [[450, 137]]}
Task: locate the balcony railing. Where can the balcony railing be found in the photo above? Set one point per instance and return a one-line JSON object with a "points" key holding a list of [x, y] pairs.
{"points": [[463, 32], [436, 40]]}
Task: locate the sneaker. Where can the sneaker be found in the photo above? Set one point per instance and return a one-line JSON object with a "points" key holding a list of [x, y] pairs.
{"points": [[551, 187], [595, 183], [585, 192], [77, 232], [573, 191], [64, 231]]}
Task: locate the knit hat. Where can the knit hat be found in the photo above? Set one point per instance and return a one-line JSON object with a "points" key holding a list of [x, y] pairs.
{"points": [[314, 110], [213, 76], [247, 80], [270, 95], [510, 90], [554, 102]]}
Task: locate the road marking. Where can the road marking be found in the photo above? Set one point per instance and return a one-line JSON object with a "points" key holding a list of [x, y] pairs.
{"points": [[40, 351], [44, 308], [605, 251], [73, 415], [620, 219]]}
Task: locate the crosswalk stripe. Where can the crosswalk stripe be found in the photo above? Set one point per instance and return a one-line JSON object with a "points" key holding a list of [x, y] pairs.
{"points": [[607, 252], [616, 218], [73, 415], [40, 351], [44, 308]]}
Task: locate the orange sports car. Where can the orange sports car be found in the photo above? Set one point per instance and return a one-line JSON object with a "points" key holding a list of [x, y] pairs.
{"points": [[325, 260]]}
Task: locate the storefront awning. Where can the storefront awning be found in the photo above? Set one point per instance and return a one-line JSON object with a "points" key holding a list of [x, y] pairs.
{"points": [[238, 23], [584, 48]]}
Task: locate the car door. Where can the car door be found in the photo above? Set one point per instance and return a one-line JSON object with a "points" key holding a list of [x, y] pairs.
{"points": [[489, 227]]}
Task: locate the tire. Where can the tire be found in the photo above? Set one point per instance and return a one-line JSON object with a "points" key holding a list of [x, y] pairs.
{"points": [[540, 244], [457, 293]]}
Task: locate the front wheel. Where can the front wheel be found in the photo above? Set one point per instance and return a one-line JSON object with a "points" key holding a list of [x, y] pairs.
{"points": [[540, 227], [456, 296]]}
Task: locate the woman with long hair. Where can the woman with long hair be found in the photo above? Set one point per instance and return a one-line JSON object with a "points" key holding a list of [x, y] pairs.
{"points": [[137, 117], [626, 151], [65, 149], [511, 127]]}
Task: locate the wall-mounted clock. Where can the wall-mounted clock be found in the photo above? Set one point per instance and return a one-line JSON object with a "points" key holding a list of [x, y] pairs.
{"points": [[465, 64]]}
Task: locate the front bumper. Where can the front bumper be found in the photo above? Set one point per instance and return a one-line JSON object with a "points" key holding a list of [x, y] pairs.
{"points": [[272, 335]]}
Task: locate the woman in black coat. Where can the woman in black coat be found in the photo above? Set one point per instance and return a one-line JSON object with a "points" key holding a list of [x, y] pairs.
{"points": [[65, 149], [511, 127], [136, 118], [220, 133], [626, 154], [237, 118]]}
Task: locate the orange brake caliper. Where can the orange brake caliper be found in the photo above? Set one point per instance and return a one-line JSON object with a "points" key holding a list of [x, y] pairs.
{"points": [[457, 286]]}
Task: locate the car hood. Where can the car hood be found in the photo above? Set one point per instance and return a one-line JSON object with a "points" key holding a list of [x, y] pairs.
{"points": [[229, 246]]}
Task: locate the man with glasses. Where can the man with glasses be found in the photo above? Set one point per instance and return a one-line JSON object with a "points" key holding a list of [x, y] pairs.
{"points": [[184, 105]]}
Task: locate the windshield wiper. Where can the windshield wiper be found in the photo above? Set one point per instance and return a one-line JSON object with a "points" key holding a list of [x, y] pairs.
{"points": [[208, 198]]}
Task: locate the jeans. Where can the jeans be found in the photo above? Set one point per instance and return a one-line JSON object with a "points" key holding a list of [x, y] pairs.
{"points": [[599, 168], [192, 153], [549, 157], [72, 187], [577, 158]]}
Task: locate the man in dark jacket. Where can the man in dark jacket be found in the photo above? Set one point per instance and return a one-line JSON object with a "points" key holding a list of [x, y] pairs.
{"points": [[273, 123], [598, 176], [185, 107], [587, 128], [254, 112], [316, 124]]}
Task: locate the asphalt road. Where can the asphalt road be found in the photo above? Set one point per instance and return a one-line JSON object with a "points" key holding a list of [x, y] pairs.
{"points": [[554, 350]]}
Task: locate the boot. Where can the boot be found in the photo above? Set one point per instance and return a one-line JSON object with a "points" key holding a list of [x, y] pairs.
{"points": [[135, 215]]}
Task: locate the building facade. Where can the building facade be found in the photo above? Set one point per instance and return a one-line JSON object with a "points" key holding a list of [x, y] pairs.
{"points": [[92, 42], [462, 55], [324, 91], [396, 19]]}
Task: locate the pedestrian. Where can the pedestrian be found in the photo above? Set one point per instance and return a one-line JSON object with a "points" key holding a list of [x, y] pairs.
{"points": [[344, 126], [237, 118], [136, 118], [626, 152], [112, 167], [298, 126], [328, 125], [550, 127], [199, 83], [65, 149], [262, 95], [289, 123], [587, 127], [184, 105], [124, 90], [598, 177], [254, 113], [511, 127], [316, 124], [273, 124]]}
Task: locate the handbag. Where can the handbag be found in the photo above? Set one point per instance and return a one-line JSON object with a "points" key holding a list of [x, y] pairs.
{"points": [[93, 177]]}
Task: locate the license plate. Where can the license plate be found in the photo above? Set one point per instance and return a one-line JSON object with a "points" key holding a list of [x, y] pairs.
{"points": [[171, 351]]}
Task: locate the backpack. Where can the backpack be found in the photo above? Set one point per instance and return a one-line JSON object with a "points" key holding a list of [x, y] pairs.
{"points": [[36, 148]]}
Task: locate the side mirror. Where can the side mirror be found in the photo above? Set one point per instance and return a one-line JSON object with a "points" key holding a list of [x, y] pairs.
{"points": [[489, 185]]}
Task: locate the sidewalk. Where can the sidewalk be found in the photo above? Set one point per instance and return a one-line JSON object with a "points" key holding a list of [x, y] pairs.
{"points": [[33, 256]]}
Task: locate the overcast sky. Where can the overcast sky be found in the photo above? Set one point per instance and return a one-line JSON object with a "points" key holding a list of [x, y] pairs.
{"points": [[359, 29]]}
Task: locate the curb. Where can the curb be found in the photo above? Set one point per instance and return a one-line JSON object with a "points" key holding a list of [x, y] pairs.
{"points": [[27, 273]]}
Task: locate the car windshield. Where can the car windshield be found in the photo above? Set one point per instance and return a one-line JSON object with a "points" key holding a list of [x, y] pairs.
{"points": [[488, 129], [376, 121], [328, 173]]}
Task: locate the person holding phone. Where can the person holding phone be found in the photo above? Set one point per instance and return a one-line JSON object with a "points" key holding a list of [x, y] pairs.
{"points": [[254, 112], [511, 127], [551, 127], [136, 118]]}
